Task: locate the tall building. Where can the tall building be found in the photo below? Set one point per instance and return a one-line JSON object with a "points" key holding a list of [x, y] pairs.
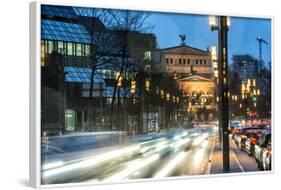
{"points": [[246, 88], [245, 66]]}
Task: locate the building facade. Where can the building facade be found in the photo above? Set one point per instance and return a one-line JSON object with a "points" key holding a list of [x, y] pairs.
{"points": [[193, 70], [246, 67], [183, 61], [87, 74]]}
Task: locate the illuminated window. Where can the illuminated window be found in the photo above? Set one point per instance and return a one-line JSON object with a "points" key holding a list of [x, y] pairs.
{"points": [[60, 47], [87, 50], [50, 46], [69, 49], [43, 50], [147, 56], [78, 50]]}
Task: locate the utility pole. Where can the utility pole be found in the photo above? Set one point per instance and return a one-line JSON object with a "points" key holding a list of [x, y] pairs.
{"points": [[223, 82], [222, 27]]}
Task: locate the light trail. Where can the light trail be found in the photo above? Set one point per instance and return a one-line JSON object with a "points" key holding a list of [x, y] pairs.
{"points": [[171, 165], [133, 167], [95, 160]]}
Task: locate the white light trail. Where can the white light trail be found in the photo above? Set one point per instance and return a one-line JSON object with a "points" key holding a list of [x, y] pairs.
{"points": [[133, 167], [199, 139], [171, 165], [92, 161], [181, 142], [52, 165]]}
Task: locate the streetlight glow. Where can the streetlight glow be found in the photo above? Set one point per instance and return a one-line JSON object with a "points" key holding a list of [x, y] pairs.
{"points": [[162, 93], [168, 96], [214, 52], [228, 21], [212, 21]]}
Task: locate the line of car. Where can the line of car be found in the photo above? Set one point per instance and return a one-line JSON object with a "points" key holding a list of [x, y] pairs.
{"points": [[255, 140]]}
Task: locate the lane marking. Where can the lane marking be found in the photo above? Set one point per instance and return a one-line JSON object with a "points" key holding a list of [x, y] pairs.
{"points": [[208, 171], [236, 159]]}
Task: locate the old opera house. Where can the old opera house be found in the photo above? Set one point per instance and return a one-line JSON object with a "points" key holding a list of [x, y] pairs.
{"points": [[193, 70]]}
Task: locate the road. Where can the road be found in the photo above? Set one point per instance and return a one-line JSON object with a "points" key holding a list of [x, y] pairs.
{"points": [[247, 163], [178, 152]]}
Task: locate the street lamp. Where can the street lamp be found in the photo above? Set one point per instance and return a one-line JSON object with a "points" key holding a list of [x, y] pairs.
{"points": [[213, 22], [147, 88], [222, 24], [133, 91]]}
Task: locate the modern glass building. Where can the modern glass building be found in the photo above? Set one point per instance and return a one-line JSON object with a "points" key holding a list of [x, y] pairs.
{"points": [[90, 84], [65, 64]]}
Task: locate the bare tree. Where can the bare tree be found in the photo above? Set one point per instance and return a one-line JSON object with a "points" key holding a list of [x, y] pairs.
{"points": [[126, 26], [101, 53]]}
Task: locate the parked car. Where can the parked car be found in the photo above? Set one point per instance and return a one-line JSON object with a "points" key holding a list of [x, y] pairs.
{"points": [[252, 139], [263, 152], [241, 136], [234, 124], [234, 127]]}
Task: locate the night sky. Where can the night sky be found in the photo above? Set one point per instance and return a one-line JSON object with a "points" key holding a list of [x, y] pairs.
{"points": [[242, 33]]}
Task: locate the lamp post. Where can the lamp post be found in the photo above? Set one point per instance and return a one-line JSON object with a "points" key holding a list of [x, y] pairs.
{"points": [[147, 89], [133, 91], [162, 95], [222, 27]]}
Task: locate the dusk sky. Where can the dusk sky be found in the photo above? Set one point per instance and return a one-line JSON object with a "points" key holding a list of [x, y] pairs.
{"points": [[242, 33]]}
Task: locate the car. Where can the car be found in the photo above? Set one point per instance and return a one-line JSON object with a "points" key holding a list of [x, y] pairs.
{"points": [[263, 126], [235, 131], [263, 152], [252, 139], [241, 136], [233, 125]]}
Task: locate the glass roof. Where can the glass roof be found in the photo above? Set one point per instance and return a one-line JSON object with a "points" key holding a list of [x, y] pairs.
{"points": [[122, 92], [81, 75], [59, 11], [64, 31]]}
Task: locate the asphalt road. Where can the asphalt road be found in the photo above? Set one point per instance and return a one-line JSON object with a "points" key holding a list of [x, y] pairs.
{"points": [[177, 153], [247, 163]]}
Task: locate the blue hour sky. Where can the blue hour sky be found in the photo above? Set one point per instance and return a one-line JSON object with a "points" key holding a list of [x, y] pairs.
{"points": [[241, 39]]}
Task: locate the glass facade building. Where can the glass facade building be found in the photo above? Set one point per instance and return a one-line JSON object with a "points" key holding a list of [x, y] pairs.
{"points": [[79, 73]]}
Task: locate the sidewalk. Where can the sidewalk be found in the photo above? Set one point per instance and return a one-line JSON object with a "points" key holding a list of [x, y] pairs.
{"points": [[215, 161]]}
